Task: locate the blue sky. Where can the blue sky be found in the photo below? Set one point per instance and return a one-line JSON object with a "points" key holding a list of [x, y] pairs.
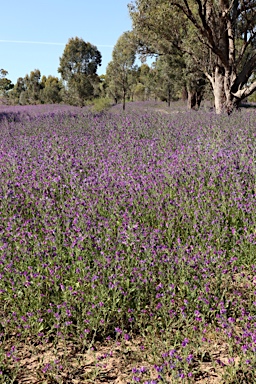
{"points": [[26, 24]]}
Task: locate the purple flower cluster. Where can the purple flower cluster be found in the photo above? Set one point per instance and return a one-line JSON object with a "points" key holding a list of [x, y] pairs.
{"points": [[116, 223]]}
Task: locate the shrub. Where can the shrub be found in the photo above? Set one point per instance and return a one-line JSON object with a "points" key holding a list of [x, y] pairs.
{"points": [[101, 104]]}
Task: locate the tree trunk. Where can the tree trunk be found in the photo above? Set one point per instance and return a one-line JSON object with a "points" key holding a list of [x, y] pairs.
{"points": [[124, 95], [218, 91], [169, 97], [223, 98], [191, 103], [184, 94], [199, 99], [195, 98]]}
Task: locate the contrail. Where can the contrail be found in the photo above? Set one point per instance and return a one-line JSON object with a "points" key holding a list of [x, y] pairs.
{"points": [[45, 43]]}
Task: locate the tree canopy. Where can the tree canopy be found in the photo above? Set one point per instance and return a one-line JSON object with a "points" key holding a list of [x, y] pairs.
{"points": [[120, 70], [218, 35], [5, 84], [78, 68]]}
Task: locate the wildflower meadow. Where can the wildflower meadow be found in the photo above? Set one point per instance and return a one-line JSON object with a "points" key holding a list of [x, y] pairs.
{"points": [[127, 245]]}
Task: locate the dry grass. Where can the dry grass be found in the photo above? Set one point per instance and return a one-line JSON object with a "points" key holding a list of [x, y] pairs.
{"points": [[112, 362]]}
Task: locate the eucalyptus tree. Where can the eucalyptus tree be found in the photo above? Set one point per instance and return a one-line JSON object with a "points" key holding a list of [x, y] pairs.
{"points": [[171, 78], [27, 90], [14, 94], [51, 90], [142, 88], [148, 81], [218, 35], [33, 86], [78, 68], [5, 84], [120, 70], [112, 85]]}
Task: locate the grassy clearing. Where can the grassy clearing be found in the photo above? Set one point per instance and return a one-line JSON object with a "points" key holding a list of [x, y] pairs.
{"points": [[127, 246]]}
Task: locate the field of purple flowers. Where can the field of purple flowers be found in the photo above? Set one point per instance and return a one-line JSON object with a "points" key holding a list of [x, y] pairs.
{"points": [[133, 229]]}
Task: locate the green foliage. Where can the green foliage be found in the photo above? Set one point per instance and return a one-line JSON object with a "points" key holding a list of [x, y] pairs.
{"points": [[101, 104], [213, 38], [33, 86], [27, 90], [14, 94], [51, 90], [148, 76], [166, 77], [78, 67], [120, 72], [79, 57], [112, 86], [139, 91], [32, 89], [252, 98], [5, 84], [173, 68]]}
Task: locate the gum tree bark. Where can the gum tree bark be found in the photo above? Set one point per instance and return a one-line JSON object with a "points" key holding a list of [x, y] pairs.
{"points": [[227, 28], [218, 35]]}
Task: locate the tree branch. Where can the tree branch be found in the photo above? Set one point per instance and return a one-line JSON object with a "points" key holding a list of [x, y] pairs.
{"points": [[209, 77], [244, 75], [203, 31], [245, 46], [245, 92]]}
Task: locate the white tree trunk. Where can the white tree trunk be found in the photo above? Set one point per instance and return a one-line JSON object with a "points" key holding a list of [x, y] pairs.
{"points": [[218, 91], [221, 84]]}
